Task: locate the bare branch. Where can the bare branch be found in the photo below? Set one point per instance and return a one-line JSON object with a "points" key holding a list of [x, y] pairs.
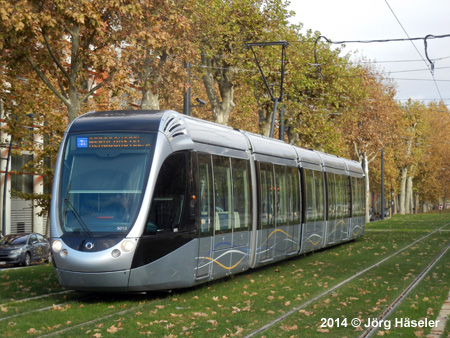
{"points": [[53, 56], [93, 89], [47, 82]]}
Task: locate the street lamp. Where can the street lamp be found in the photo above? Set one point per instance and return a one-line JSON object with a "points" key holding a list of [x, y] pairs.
{"points": [[5, 184]]}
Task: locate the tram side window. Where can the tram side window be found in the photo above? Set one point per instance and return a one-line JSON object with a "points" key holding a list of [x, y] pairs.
{"points": [[241, 194], [294, 195], [267, 195], [358, 205], [206, 194], [314, 195], [346, 190], [362, 191], [169, 196], [222, 194], [341, 196], [281, 192], [331, 195], [320, 195]]}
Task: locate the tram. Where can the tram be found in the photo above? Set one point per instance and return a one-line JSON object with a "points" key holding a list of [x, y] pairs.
{"points": [[156, 200]]}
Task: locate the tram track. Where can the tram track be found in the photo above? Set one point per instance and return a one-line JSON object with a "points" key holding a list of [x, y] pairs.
{"points": [[45, 308], [23, 300], [353, 277], [371, 329], [90, 322]]}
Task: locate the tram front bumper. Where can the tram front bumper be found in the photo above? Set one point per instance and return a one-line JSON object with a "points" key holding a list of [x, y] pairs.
{"points": [[92, 281]]}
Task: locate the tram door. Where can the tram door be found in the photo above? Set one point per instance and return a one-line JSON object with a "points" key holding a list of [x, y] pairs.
{"points": [[205, 234]]}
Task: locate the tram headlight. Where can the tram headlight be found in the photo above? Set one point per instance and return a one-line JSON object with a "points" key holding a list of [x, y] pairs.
{"points": [[127, 245], [115, 253], [57, 246]]}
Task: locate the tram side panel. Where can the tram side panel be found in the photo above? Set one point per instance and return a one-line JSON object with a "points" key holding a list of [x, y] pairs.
{"points": [[279, 210], [165, 254], [225, 216], [338, 208], [358, 207], [314, 224]]}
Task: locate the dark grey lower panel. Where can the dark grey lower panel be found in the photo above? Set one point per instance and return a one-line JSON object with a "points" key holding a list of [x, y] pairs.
{"points": [[102, 281]]}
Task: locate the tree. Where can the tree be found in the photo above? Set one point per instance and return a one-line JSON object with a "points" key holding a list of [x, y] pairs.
{"points": [[156, 47], [370, 121], [73, 46], [36, 120], [223, 29]]}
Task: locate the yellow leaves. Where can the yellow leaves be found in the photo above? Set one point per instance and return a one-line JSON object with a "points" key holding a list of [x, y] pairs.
{"points": [[288, 328], [19, 26], [306, 313], [61, 308], [32, 331], [213, 322], [418, 333], [113, 329], [4, 309]]}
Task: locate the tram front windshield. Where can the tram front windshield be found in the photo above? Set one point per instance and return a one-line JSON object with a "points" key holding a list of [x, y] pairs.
{"points": [[103, 178]]}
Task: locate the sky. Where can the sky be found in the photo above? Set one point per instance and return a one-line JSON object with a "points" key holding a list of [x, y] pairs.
{"points": [[405, 63]]}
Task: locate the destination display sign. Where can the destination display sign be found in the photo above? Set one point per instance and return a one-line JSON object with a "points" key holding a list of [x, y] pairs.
{"points": [[113, 141]]}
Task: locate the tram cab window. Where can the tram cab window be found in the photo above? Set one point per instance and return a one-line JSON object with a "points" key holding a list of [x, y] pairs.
{"points": [[169, 198]]}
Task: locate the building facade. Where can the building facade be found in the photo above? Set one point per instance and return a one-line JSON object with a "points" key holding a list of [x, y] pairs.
{"points": [[19, 215]]}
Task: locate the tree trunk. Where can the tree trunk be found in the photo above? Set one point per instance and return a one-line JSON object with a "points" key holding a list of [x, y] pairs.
{"points": [[409, 195], [73, 111], [150, 100], [416, 203], [404, 173], [367, 186], [265, 121], [221, 110]]}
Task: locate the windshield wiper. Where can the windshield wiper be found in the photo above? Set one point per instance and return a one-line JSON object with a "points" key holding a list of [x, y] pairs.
{"points": [[77, 216]]}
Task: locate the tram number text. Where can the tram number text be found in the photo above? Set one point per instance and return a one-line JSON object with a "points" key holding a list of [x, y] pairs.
{"points": [[122, 228]]}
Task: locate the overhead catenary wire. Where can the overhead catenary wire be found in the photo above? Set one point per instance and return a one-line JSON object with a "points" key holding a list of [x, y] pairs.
{"points": [[431, 65]]}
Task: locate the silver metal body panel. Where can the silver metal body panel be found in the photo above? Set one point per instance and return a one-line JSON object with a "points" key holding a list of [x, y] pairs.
{"points": [[175, 270], [100, 261], [313, 236]]}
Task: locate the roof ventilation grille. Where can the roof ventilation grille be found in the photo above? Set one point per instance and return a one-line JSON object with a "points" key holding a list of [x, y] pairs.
{"points": [[174, 127]]}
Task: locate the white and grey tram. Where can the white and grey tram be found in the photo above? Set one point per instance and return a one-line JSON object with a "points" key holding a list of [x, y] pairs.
{"points": [[155, 200]]}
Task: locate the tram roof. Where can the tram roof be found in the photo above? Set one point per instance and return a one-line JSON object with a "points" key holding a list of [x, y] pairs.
{"points": [[134, 120]]}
